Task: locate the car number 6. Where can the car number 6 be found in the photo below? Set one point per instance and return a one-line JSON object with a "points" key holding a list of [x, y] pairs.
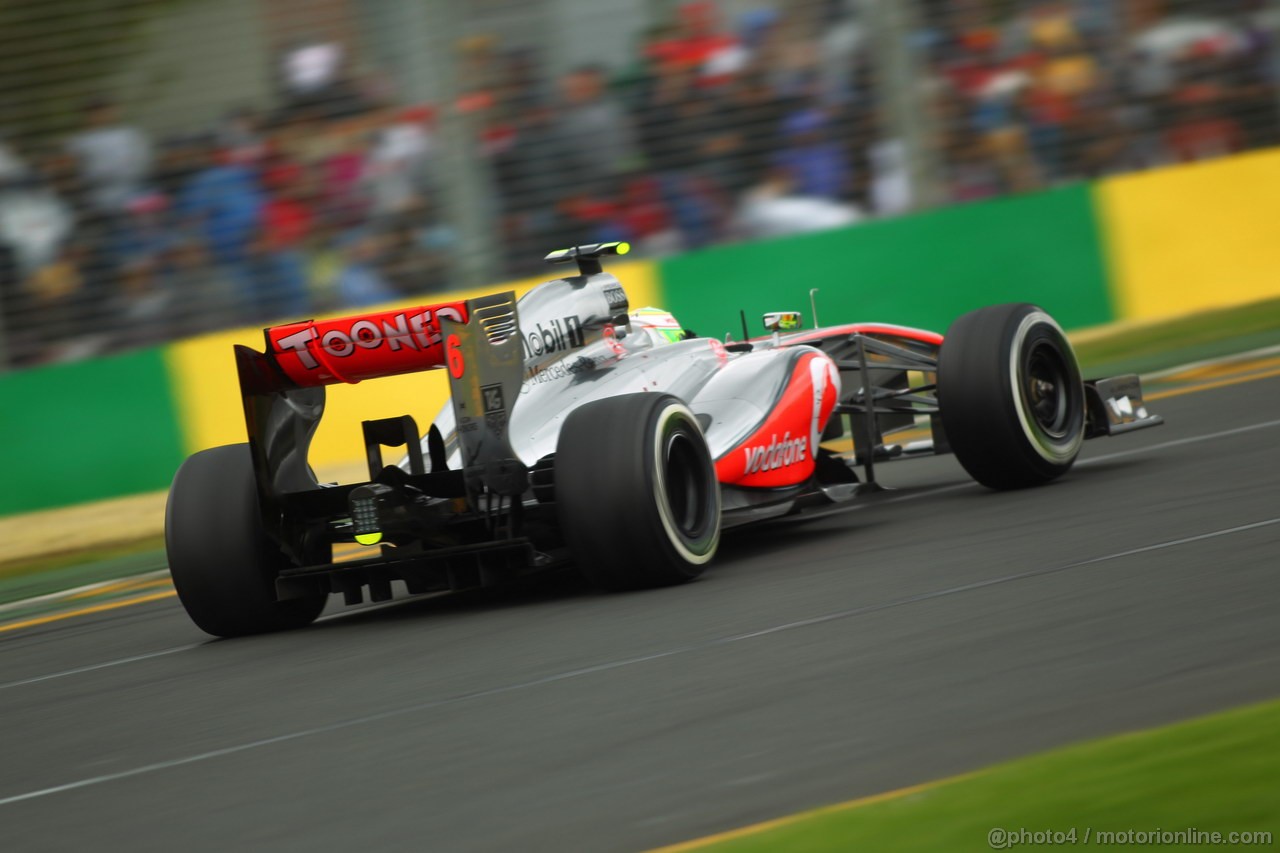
{"points": [[453, 355]]}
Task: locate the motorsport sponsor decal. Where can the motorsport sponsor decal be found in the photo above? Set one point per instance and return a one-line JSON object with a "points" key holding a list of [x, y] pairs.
{"points": [[617, 298], [493, 399], [495, 409], [776, 454], [559, 370], [556, 336], [406, 330]]}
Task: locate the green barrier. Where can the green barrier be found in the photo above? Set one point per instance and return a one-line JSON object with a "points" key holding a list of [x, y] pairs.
{"points": [[86, 431], [919, 271]]}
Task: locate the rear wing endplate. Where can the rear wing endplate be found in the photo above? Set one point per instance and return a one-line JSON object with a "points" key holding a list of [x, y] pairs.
{"points": [[283, 388], [485, 360]]}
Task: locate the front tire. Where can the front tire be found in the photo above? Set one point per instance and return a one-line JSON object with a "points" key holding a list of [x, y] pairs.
{"points": [[636, 491], [1011, 397], [223, 563]]}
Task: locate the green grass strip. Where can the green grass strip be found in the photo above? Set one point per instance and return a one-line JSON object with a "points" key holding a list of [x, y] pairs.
{"points": [[42, 576], [1211, 334], [1214, 774]]}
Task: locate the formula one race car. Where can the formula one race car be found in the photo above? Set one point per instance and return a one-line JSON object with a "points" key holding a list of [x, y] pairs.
{"points": [[583, 433]]}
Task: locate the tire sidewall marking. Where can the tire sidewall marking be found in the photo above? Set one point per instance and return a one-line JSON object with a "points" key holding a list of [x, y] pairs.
{"points": [[1057, 453], [660, 496]]}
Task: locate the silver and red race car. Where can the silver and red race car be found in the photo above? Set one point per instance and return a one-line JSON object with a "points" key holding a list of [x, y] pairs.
{"points": [[583, 433]]}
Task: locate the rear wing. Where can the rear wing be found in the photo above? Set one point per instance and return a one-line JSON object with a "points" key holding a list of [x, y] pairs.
{"points": [[314, 353], [283, 393], [483, 346], [351, 349]]}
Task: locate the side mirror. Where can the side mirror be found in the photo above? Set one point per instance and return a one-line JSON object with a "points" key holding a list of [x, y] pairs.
{"points": [[782, 321]]}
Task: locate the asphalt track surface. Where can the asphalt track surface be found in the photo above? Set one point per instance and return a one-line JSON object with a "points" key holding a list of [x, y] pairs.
{"points": [[935, 630]]}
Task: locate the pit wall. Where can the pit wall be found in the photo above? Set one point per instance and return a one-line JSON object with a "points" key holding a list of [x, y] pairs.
{"points": [[1140, 247]]}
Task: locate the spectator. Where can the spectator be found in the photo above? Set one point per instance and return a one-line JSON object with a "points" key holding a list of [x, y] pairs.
{"points": [[683, 142], [206, 298], [699, 43], [972, 174], [413, 261], [177, 159], [775, 209], [317, 84], [143, 247], [749, 127], [242, 137], [395, 169], [1202, 131], [280, 267], [844, 50], [645, 219], [343, 202], [222, 204], [114, 160], [359, 283], [674, 114], [35, 223], [12, 166], [890, 192], [813, 163], [57, 322], [38, 279], [1139, 145], [527, 165], [596, 135], [795, 53]]}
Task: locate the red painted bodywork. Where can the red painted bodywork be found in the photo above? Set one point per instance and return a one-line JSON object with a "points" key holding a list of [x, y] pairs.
{"points": [[879, 329], [780, 452], [365, 346]]}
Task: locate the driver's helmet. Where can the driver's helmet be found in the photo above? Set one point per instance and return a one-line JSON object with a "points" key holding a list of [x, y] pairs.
{"points": [[659, 326]]}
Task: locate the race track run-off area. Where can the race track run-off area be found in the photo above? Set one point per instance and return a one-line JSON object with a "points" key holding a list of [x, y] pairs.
{"points": [[932, 631]]}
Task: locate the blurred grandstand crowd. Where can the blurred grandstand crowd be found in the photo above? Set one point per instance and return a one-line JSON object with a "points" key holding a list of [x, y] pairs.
{"points": [[718, 127]]}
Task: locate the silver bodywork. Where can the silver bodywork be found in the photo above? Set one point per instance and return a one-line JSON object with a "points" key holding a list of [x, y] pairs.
{"points": [[582, 344]]}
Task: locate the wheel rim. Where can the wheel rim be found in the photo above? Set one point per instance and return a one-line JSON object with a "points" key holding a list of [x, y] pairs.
{"points": [[1046, 390], [686, 487]]}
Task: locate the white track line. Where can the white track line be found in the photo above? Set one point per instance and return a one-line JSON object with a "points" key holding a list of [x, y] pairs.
{"points": [[135, 658], [342, 724], [96, 666], [1262, 352], [1165, 445], [80, 590], [968, 484], [612, 665], [1033, 573]]}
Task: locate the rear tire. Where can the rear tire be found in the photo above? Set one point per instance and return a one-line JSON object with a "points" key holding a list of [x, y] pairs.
{"points": [[223, 563], [636, 491], [1012, 401]]}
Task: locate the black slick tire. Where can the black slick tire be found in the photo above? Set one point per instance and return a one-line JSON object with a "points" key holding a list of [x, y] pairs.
{"points": [[1011, 396], [637, 496], [223, 563]]}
